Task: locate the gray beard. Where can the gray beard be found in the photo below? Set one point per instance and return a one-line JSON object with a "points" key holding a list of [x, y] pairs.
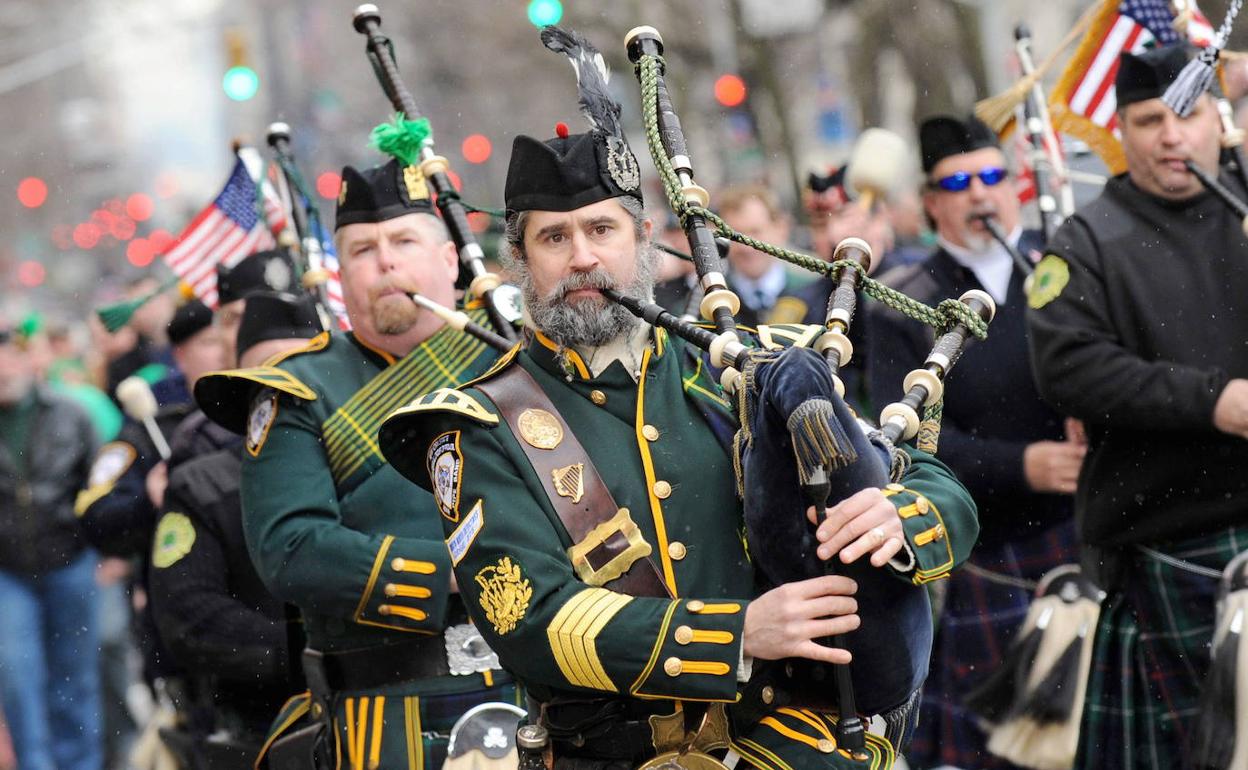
{"points": [[588, 323]]}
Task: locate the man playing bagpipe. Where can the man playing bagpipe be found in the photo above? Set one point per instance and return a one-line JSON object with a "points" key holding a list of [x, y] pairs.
{"points": [[1138, 324], [333, 529], [586, 486]]}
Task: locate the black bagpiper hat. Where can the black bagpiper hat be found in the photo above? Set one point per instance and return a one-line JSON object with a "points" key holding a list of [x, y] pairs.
{"points": [[380, 193], [1148, 75], [943, 136], [188, 320], [570, 171], [272, 270], [224, 396]]}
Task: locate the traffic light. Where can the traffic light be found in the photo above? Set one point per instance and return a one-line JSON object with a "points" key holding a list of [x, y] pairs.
{"points": [[730, 90], [543, 13], [240, 81]]}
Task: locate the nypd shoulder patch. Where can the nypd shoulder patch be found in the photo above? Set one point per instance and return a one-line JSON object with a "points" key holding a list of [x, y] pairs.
{"points": [[175, 535], [464, 535], [259, 421], [113, 459], [446, 472]]}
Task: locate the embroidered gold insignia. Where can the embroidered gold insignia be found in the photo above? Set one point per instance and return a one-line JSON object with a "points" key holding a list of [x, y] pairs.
{"points": [[1051, 276], [539, 428], [174, 537], [263, 413], [505, 594], [415, 181], [570, 481]]}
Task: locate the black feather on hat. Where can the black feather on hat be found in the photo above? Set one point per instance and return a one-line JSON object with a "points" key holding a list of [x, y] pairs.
{"points": [[943, 136], [571, 171]]}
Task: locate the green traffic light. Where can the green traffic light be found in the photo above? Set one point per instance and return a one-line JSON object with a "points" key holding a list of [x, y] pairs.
{"points": [[240, 83], [543, 13]]}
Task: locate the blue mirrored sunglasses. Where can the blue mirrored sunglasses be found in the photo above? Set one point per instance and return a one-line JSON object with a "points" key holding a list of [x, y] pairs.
{"points": [[961, 180]]}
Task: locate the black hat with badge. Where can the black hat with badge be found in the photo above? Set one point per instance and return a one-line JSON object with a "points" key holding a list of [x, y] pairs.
{"points": [[1147, 75], [271, 270], [380, 193], [575, 170], [188, 320], [943, 136]]}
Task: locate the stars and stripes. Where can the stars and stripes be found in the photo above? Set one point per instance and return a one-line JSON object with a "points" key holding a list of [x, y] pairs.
{"points": [[1084, 101], [228, 229]]}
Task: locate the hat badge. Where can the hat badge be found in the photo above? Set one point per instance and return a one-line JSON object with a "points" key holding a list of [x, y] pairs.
{"points": [[622, 165]]}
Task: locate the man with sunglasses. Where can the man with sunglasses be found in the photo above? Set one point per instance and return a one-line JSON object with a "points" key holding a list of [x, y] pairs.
{"points": [[1010, 449], [1138, 323]]}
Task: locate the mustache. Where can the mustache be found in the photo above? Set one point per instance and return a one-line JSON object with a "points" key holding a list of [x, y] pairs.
{"points": [[597, 278], [981, 214], [386, 285]]}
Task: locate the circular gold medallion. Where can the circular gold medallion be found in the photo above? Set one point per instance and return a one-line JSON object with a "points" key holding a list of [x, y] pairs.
{"points": [[539, 428], [689, 760]]}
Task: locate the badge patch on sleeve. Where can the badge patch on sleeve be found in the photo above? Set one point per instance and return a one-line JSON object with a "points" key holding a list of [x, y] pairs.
{"points": [[113, 459], [1051, 276], [174, 537], [461, 539], [505, 594], [259, 421], [446, 471]]}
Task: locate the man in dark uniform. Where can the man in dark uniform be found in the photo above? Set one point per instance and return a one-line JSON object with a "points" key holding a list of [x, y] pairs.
{"points": [[220, 623], [335, 530], [1004, 443], [615, 671], [1138, 324]]}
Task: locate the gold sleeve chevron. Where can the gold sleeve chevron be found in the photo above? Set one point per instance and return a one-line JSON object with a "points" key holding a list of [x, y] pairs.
{"points": [[452, 401], [270, 377], [574, 632]]}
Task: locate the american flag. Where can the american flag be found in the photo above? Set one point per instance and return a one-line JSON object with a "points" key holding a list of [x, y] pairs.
{"points": [[333, 287], [227, 230], [1084, 103]]}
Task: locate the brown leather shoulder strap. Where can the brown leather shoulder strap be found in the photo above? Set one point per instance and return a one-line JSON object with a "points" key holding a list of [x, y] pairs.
{"points": [[608, 550]]}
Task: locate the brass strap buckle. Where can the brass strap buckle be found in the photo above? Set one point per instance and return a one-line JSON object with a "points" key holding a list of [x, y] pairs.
{"points": [[620, 524]]}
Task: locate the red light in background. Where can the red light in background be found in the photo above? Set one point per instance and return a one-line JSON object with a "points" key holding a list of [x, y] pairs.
{"points": [[122, 228], [86, 235], [32, 192], [139, 207], [31, 274], [729, 90], [167, 185], [328, 184], [456, 182], [476, 148], [160, 241], [114, 206], [478, 221], [140, 253]]}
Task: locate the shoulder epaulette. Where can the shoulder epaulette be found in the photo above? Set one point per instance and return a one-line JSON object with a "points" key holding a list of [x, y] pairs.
{"points": [[271, 377], [448, 400], [314, 345], [501, 363]]}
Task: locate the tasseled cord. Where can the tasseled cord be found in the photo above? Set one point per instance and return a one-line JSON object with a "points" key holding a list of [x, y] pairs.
{"points": [[402, 138], [1197, 77], [819, 439]]}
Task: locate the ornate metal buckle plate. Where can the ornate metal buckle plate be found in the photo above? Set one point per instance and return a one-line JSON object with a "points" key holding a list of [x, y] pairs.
{"points": [[467, 652], [620, 524]]}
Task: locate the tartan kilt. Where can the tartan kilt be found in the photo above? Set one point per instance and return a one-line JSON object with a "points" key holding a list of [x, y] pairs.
{"points": [[1150, 657], [977, 623]]}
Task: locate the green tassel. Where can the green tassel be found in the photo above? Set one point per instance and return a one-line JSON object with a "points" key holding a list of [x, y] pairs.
{"points": [[402, 138], [118, 314]]}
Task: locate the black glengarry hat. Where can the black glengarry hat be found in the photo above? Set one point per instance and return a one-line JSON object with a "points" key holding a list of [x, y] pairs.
{"points": [[1147, 75], [272, 270], [575, 170], [943, 136], [380, 193], [188, 320], [277, 316]]}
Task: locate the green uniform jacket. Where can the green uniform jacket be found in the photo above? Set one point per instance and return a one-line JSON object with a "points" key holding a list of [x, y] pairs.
{"points": [[336, 531], [653, 445]]}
